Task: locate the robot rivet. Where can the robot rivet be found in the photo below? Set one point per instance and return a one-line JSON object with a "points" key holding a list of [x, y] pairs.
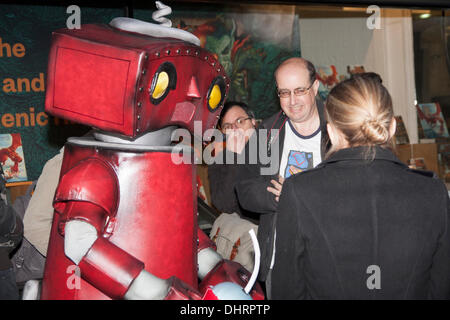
{"points": [[157, 54], [188, 51], [144, 71], [139, 104], [178, 51], [146, 57], [206, 57], [141, 89], [167, 51]]}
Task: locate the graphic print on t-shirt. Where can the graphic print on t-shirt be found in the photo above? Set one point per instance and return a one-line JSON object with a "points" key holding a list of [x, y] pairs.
{"points": [[298, 161]]}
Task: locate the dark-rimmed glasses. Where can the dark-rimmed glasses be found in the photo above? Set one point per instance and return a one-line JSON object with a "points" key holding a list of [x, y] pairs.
{"points": [[286, 93], [239, 123]]}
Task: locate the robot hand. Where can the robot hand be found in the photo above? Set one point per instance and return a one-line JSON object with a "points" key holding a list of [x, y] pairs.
{"points": [[225, 279], [79, 238], [227, 282], [147, 287]]}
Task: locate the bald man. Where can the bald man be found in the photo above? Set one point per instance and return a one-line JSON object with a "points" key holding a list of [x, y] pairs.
{"points": [[301, 142]]}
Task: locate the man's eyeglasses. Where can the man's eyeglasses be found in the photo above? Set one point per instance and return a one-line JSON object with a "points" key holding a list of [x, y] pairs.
{"points": [[286, 93], [239, 123]]}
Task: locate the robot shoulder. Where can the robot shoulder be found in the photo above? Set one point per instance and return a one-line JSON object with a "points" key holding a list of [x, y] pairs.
{"points": [[92, 180]]}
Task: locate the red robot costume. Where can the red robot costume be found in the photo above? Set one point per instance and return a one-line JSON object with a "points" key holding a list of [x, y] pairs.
{"points": [[125, 222]]}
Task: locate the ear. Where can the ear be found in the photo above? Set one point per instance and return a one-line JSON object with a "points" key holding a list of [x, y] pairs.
{"points": [[315, 87], [392, 127], [336, 137], [254, 122], [332, 134]]}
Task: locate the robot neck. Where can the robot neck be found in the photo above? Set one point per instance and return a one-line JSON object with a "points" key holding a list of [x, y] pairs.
{"points": [[161, 137]]}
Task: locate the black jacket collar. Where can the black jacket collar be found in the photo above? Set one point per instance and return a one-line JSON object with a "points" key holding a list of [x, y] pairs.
{"points": [[357, 153]]}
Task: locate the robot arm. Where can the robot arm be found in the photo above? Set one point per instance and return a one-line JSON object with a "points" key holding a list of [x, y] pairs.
{"points": [[103, 264], [109, 268], [212, 268], [207, 256], [84, 218]]}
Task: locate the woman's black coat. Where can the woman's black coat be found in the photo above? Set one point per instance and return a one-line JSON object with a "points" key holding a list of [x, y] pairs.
{"points": [[353, 229]]}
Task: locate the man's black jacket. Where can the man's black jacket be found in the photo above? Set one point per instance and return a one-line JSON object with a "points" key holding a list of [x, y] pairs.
{"points": [[11, 232], [252, 190], [223, 177]]}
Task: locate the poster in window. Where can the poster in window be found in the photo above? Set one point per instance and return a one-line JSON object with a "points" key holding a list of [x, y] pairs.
{"points": [[12, 157], [432, 120]]}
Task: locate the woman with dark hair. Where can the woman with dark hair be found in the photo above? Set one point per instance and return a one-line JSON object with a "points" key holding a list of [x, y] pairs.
{"points": [[362, 225], [237, 123]]}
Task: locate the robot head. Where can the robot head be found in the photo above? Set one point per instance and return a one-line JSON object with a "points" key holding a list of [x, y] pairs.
{"points": [[130, 84]]}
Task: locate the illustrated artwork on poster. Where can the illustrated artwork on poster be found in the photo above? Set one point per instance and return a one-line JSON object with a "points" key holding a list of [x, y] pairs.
{"points": [[248, 55], [328, 77], [355, 69], [12, 159], [401, 135], [432, 120]]}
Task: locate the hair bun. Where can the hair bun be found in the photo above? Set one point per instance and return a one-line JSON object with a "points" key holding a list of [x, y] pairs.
{"points": [[374, 131]]}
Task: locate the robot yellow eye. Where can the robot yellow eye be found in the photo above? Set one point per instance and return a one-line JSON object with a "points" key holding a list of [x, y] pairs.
{"points": [[162, 83], [215, 97], [216, 94], [164, 80]]}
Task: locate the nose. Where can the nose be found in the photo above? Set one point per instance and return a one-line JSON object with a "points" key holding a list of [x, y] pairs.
{"points": [[193, 92], [293, 98]]}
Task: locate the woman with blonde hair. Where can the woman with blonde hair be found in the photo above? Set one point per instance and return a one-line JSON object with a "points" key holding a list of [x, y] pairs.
{"points": [[362, 225]]}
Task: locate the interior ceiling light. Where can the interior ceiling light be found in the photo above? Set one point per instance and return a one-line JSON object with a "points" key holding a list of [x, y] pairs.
{"points": [[425, 15]]}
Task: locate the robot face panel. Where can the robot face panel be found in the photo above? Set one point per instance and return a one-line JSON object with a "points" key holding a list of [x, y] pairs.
{"points": [[183, 86], [130, 84]]}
